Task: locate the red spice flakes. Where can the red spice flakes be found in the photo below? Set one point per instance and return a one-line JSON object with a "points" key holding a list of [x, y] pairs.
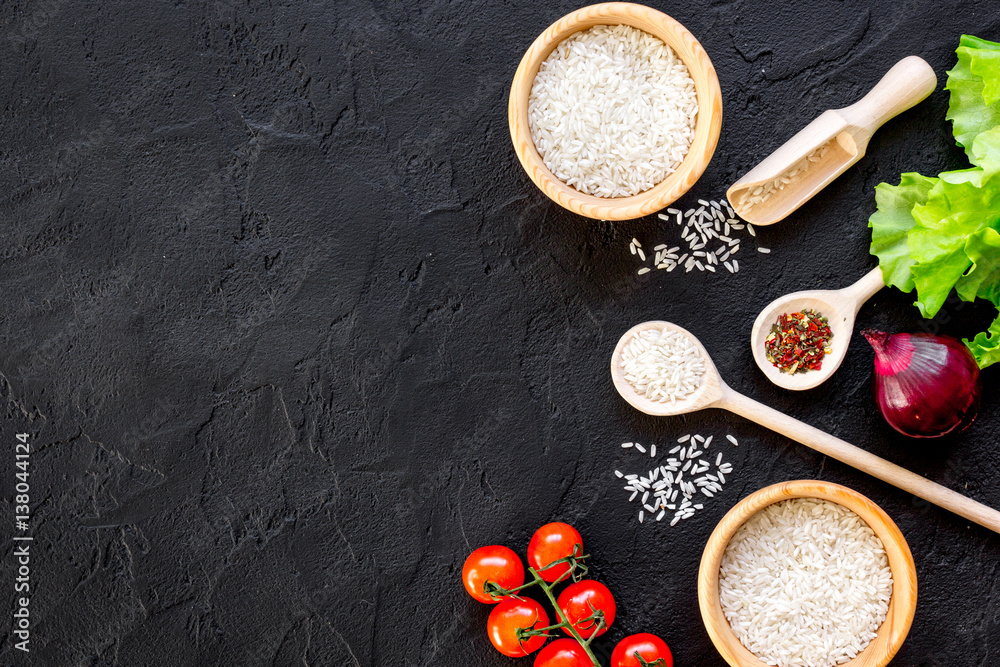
{"points": [[799, 341]]}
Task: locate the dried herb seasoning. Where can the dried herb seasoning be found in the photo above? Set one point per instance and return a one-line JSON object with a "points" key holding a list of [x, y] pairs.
{"points": [[799, 341]]}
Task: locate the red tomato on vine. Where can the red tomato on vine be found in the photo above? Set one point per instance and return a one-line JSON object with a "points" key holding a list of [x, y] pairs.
{"points": [[550, 543], [496, 564], [652, 652], [510, 616], [580, 600], [563, 653]]}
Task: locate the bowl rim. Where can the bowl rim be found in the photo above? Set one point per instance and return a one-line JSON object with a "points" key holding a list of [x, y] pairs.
{"points": [[902, 604], [707, 126]]}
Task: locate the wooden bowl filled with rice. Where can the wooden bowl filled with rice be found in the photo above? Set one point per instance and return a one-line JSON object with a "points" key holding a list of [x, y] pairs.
{"points": [[615, 111], [807, 574]]}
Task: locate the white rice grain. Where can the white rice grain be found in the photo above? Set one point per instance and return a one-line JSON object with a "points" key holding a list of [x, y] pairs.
{"points": [[805, 583], [612, 111], [662, 365]]}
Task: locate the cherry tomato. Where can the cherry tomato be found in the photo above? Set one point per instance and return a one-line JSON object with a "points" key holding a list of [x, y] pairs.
{"points": [[581, 600], [552, 542], [495, 563], [507, 617], [654, 652], [563, 653]]}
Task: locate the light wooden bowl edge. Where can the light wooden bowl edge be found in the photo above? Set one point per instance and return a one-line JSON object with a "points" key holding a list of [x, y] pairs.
{"points": [[707, 128], [902, 605]]}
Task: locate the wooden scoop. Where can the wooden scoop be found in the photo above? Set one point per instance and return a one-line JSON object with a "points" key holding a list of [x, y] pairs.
{"points": [[826, 147], [714, 393], [840, 308]]}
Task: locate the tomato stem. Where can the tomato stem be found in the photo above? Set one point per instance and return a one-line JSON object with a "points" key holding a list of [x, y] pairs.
{"points": [[540, 632], [659, 662], [564, 622], [498, 592], [595, 622], [577, 569]]}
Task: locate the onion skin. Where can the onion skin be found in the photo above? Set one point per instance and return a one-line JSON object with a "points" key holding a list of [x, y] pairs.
{"points": [[926, 386]]}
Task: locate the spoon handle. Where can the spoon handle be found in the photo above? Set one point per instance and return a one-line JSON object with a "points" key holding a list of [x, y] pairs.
{"points": [[865, 288], [858, 458]]}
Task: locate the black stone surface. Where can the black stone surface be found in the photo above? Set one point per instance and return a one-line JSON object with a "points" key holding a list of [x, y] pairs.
{"points": [[293, 332]]}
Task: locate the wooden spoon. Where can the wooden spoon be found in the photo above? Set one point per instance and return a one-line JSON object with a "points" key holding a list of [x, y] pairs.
{"points": [[840, 308], [714, 393], [826, 147]]}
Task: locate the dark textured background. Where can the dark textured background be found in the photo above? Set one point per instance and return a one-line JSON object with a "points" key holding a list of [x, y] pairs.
{"points": [[294, 332]]}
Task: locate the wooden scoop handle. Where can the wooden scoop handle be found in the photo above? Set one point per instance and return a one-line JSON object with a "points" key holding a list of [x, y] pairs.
{"points": [[858, 458], [908, 82]]}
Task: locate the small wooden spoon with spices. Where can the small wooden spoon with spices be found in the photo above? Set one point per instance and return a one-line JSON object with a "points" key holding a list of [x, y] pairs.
{"points": [[712, 392], [839, 307]]}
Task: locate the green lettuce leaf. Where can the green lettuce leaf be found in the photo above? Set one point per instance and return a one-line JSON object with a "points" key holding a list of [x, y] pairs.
{"points": [[984, 60], [986, 151], [892, 222], [983, 279], [936, 234], [985, 346], [974, 85]]}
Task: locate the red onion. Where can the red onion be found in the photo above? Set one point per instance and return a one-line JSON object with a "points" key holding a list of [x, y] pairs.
{"points": [[925, 385]]}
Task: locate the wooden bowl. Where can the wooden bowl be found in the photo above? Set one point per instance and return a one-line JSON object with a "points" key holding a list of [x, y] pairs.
{"points": [[707, 126], [902, 604]]}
